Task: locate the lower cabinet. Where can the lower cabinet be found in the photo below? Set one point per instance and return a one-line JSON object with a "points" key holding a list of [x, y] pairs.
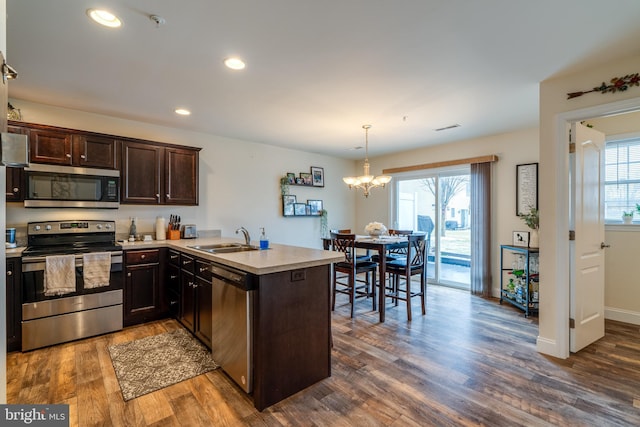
{"points": [[143, 286], [14, 305], [195, 298]]}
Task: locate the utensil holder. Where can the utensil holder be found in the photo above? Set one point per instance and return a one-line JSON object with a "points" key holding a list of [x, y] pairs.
{"points": [[173, 234]]}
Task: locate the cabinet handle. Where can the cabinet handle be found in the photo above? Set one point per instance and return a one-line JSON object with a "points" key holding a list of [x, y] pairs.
{"points": [[174, 256], [191, 284], [203, 269], [16, 190], [68, 155], [9, 273], [157, 196], [82, 156], [186, 262], [173, 277], [143, 256], [173, 302], [129, 274], [168, 196]]}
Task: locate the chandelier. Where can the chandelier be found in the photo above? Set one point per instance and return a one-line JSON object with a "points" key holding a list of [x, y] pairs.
{"points": [[366, 181]]}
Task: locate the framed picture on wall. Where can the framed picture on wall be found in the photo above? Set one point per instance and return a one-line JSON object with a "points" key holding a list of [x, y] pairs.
{"points": [[306, 178], [526, 188], [287, 204], [299, 209], [315, 206], [317, 176]]}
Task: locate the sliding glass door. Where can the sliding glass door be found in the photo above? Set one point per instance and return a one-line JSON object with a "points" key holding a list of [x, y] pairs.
{"points": [[437, 203]]}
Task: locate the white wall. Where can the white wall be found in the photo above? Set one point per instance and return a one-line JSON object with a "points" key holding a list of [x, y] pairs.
{"points": [[239, 182], [553, 335], [512, 149]]}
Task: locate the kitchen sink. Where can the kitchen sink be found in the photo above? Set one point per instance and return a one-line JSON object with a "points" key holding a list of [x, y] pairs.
{"points": [[223, 248]]}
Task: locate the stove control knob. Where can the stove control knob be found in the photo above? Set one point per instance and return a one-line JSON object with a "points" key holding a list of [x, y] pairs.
{"points": [[108, 226], [36, 228], [47, 227], [99, 226]]}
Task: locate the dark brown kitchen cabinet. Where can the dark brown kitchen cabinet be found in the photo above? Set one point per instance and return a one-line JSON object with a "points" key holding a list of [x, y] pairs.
{"points": [[94, 151], [70, 148], [14, 305], [15, 185], [187, 292], [143, 300], [196, 297], [156, 174], [172, 281], [204, 300]]}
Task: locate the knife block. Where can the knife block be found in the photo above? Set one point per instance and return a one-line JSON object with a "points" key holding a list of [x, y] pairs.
{"points": [[173, 234]]}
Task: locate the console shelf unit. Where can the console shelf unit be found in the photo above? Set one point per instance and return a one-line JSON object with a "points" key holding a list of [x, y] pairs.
{"points": [[524, 293]]}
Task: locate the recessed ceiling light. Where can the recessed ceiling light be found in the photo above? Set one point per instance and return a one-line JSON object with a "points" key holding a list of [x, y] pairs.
{"points": [[234, 63], [104, 17], [182, 111]]}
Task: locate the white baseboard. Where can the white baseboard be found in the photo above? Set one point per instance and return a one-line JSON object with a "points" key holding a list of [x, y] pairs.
{"points": [[626, 316]]}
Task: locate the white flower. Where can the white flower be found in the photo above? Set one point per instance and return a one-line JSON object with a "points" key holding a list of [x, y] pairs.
{"points": [[375, 228]]}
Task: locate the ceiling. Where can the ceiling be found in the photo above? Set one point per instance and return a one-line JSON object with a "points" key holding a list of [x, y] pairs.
{"points": [[316, 70]]}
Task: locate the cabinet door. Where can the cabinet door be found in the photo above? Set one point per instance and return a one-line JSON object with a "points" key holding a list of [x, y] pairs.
{"points": [[181, 176], [94, 151], [140, 173], [15, 185], [14, 313], [204, 295], [142, 293], [50, 146], [188, 300]]}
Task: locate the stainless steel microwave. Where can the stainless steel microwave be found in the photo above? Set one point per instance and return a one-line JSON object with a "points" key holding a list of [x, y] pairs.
{"points": [[50, 186]]}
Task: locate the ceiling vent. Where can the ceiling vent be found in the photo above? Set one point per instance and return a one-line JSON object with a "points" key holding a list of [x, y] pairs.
{"points": [[447, 127]]}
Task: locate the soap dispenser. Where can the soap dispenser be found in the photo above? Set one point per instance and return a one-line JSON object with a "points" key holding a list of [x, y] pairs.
{"points": [[264, 241]]}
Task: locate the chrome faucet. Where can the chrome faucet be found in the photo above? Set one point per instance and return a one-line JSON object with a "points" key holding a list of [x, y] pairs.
{"points": [[247, 238]]}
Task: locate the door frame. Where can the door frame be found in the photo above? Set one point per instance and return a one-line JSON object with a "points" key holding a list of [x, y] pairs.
{"points": [[560, 276]]}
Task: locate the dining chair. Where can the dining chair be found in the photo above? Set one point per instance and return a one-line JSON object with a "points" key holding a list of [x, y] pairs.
{"points": [[414, 263], [351, 268], [360, 256]]}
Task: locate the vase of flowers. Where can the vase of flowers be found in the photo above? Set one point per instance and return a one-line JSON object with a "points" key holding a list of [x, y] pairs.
{"points": [[532, 219], [627, 217], [375, 229]]}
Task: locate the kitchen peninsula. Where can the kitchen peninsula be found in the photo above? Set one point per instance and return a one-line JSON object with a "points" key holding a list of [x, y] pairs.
{"points": [[290, 325]]}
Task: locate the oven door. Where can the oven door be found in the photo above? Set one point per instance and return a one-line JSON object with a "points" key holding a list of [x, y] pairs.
{"points": [[33, 279]]}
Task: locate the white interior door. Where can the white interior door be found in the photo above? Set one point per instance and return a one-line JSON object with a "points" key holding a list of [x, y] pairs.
{"points": [[587, 253]]}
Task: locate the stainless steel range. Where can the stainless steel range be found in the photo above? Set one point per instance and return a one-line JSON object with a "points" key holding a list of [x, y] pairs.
{"points": [[72, 282]]}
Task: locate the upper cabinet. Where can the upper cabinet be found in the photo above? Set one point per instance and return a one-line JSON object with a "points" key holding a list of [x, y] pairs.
{"points": [[151, 173], [94, 151], [69, 148], [157, 174]]}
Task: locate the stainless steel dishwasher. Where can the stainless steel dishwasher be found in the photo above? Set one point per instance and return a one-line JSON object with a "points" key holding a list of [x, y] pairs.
{"points": [[231, 343]]}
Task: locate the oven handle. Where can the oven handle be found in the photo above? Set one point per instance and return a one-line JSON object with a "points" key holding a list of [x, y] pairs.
{"points": [[38, 263]]}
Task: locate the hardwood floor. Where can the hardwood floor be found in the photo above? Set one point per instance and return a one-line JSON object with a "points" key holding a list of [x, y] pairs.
{"points": [[469, 361]]}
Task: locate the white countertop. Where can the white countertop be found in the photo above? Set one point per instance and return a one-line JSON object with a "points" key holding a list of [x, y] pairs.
{"points": [[275, 259]]}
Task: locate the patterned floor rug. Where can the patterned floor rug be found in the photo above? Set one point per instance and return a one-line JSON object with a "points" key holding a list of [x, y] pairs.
{"points": [[155, 362]]}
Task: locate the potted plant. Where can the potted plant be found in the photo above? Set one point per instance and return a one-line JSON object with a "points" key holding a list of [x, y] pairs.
{"points": [[627, 217], [532, 219]]}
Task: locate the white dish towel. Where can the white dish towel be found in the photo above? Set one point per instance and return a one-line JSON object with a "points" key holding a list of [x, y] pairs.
{"points": [[96, 267], [59, 275]]}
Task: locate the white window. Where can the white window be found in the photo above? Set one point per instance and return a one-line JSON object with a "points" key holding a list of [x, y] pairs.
{"points": [[622, 178]]}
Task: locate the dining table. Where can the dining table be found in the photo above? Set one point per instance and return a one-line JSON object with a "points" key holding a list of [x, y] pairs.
{"points": [[381, 244]]}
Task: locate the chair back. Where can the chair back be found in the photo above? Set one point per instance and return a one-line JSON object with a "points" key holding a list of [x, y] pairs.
{"points": [[401, 251], [417, 248], [345, 243]]}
